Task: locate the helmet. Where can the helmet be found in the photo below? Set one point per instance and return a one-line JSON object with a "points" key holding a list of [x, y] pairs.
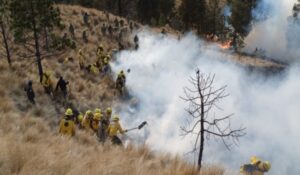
{"points": [[80, 117], [89, 112], [97, 116], [115, 118], [106, 60], [265, 166], [254, 160], [80, 52], [69, 112], [97, 110], [108, 110]]}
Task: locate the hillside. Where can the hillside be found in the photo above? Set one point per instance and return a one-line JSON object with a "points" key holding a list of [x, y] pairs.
{"points": [[29, 141]]}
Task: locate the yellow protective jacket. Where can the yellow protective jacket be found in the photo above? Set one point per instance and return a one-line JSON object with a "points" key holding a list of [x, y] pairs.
{"points": [[86, 122], [67, 127], [46, 81], [95, 125], [250, 169], [113, 129]]}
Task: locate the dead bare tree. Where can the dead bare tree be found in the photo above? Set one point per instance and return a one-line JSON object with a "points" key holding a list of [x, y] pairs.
{"points": [[203, 98]]}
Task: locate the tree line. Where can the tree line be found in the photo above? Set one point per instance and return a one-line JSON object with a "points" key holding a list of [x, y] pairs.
{"points": [[206, 17]]}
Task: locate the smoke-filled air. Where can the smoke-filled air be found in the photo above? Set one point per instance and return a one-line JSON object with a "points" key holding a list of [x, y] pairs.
{"points": [[143, 87], [274, 31], [268, 106]]}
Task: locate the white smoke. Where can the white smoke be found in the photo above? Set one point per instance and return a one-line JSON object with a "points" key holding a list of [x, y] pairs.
{"points": [[273, 32], [267, 107]]}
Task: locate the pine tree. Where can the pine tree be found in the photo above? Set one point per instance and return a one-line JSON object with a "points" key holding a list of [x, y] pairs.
{"points": [[215, 18], [193, 15], [241, 15], [148, 10], [30, 20]]}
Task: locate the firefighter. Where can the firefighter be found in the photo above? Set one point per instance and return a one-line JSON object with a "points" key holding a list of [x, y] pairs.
{"points": [[256, 167], [29, 91], [67, 125], [96, 121], [72, 30], [86, 121], [108, 113], [62, 84], [120, 82], [113, 129], [106, 68], [81, 59], [47, 82], [92, 68]]}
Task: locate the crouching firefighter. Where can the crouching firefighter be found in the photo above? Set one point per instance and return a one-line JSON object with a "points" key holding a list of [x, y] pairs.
{"points": [[256, 167]]}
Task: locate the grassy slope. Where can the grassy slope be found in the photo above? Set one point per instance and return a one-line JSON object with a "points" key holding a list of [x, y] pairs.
{"points": [[29, 142]]}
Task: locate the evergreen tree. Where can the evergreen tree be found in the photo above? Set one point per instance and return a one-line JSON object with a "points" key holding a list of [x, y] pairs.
{"points": [[241, 15], [166, 7], [30, 19], [193, 14], [215, 18], [148, 10]]}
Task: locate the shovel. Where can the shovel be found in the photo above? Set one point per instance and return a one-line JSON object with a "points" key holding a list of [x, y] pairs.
{"points": [[139, 127]]}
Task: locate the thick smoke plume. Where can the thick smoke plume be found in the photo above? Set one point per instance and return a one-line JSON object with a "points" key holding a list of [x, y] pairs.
{"points": [[274, 31], [267, 107]]}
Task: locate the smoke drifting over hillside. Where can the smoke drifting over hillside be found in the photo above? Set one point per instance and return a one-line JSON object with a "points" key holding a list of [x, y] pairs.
{"points": [[267, 107], [274, 31]]}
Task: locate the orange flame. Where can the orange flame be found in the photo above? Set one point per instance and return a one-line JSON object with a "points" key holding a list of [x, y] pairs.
{"points": [[226, 45]]}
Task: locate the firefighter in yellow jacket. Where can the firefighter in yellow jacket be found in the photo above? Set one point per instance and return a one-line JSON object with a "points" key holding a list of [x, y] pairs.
{"points": [[114, 128], [120, 82], [47, 82], [86, 121], [67, 125], [256, 167], [96, 121]]}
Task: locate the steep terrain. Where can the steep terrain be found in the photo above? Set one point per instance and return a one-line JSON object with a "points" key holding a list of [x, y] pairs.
{"points": [[29, 141]]}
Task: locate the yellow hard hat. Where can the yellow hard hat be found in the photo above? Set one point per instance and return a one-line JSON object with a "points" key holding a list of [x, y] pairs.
{"points": [[97, 110], [105, 60], [97, 116], [115, 118], [89, 112], [265, 166], [109, 110], [69, 112], [254, 160], [80, 117]]}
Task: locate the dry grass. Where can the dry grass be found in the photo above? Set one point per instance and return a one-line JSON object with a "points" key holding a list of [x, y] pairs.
{"points": [[29, 142]]}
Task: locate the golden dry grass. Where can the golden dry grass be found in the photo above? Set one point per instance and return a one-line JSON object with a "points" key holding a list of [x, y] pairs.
{"points": [[29, 142]]}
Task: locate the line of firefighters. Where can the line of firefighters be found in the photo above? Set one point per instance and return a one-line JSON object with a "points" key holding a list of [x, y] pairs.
{"points": [[103, 124]]}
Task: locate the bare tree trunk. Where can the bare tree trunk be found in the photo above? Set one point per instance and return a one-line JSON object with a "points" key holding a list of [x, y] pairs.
{"points": [[202, 127], [37, 46], [46, 39], [5, 43]]}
